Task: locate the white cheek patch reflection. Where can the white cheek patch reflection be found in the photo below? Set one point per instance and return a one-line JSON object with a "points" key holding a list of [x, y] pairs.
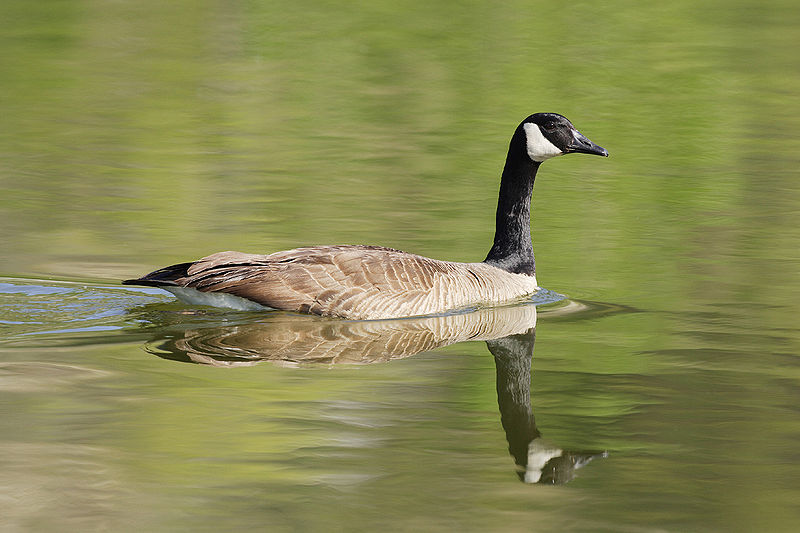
{"points": [[539, 148], [539, 454]]}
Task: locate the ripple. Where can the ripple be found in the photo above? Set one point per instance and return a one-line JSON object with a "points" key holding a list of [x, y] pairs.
{"points": [[59, 309], [39, 376]]}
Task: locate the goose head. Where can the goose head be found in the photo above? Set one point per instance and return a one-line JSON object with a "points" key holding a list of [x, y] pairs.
{"points": [[550, 134]]}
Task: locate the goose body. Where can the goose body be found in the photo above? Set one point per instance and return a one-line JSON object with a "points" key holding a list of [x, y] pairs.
{"points": [[373, 282]]}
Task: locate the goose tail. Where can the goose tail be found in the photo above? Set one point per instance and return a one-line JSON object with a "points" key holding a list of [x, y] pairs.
{"points": [[166, 276]]}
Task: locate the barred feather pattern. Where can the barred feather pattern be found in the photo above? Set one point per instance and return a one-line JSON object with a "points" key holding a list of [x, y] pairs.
{"points": [[348, 281]]}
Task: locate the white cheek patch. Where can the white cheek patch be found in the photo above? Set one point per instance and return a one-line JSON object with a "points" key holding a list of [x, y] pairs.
{"points": [[539, 148]]}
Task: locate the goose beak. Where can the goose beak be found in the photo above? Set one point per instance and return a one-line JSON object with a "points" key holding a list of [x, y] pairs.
{"points": [[582, 145]]}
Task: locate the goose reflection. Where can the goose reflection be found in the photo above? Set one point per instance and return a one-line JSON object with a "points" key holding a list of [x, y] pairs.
{"points": [[509, 333], [537, 460]]}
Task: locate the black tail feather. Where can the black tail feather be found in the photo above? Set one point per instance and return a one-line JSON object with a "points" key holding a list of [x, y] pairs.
{"points": [[163, 276]]}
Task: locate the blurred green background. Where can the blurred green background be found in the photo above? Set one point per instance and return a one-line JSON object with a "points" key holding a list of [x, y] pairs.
{"points": [[139, 134]]}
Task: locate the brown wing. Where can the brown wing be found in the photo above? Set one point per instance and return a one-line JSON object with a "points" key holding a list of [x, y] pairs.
{"points": [[347, 281]]}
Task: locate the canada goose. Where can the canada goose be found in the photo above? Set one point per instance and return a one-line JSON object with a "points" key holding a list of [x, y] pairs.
{"points": [[372, 282]]}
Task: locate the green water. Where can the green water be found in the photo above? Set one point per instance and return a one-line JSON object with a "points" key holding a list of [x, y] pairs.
{"points": [[139, 134]]}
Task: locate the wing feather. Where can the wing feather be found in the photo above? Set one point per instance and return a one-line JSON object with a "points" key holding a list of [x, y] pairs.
{"points": [[345, 281]]}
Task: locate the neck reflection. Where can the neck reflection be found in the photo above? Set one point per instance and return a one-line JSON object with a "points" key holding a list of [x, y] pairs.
{"points": [[537, 460], [509, 333]]}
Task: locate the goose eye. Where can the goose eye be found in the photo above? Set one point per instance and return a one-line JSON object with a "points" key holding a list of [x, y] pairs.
{"points": [[550, 125]]}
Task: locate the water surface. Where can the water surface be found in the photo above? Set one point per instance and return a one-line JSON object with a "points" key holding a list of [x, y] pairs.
{"points": [[659, 394]]}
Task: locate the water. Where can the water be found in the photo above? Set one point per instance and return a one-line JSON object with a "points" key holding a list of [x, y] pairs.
{"points": [[663, 389]]}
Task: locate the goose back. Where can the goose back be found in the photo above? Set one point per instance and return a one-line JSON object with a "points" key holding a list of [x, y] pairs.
{"points": [[349, 281]]}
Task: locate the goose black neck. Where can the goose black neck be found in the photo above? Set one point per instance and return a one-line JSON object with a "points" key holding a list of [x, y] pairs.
{"points": [[512, 249]]}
